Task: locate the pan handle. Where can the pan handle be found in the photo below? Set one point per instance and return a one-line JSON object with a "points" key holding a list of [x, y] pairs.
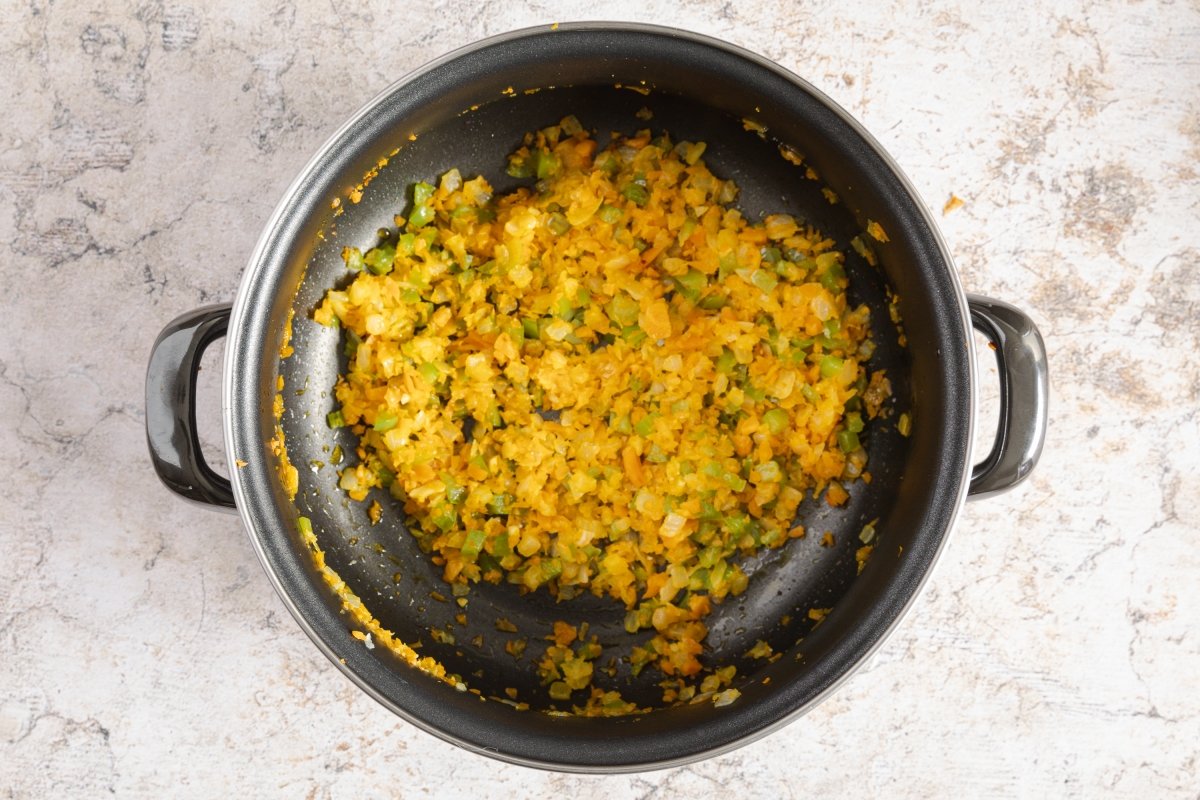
{"points": [[171, 406], [1024, 395]]}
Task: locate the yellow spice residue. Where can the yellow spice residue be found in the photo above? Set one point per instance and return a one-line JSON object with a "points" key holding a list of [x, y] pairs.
{"points": [[864, 250], [791, 155], [359, 613], [653, 383], [755, 127], [876, 231], [761, 649], [642, 90], [289, 477], [285, 346], [861, 555], [955, 202], [355, 194]]}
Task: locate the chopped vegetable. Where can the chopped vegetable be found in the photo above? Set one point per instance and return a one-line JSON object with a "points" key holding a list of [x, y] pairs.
{"points": [[422, 213], [636, 193], [610, 382], [776, 420]]}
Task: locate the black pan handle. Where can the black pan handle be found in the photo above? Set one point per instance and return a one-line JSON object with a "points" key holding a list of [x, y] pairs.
{"points": [[1024, 395], [171, 406]]}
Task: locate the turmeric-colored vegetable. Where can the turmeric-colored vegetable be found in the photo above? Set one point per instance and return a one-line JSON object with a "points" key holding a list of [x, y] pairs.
{"points": [[610, 381]]}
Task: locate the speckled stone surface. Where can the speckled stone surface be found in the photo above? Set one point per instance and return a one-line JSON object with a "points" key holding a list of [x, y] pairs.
{"points": [[1055, 651]]}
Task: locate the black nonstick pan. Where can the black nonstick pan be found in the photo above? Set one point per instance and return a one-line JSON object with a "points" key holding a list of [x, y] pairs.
{"points": [[470, 110]]}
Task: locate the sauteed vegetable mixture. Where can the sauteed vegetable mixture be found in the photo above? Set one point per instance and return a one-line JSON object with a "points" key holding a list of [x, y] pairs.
{"points": [[608, 381]]}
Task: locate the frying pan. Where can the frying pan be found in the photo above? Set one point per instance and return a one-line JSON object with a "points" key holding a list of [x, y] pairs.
{"points": [[470, 110]]}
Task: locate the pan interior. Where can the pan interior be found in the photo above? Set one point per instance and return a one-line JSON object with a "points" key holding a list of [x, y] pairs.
{"points": [[402, 587]]}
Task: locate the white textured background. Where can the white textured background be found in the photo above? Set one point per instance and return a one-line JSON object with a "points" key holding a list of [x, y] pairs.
{"points": [[1056, 650]]}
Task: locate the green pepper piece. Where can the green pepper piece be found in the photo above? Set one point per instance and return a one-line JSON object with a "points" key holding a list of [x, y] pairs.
{"points": [[727, 265], [420, 217], [776, 420], [634, 335], [737, 524], [645, 425], [691, 284], [609, 214], [832, 277], [764, 280], [830, 366], [726, 362], [499, 504], [558, 225], [547, 164], [687, 229], [623, 309], [353, 258], [635, 193], [473, 544], [379, 260], [430, 372], [422, 214], [564, 310], [769, 471], [445, 520]]}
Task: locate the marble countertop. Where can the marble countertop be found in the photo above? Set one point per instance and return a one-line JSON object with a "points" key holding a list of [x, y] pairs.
{"points": [[1055, 650]]}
